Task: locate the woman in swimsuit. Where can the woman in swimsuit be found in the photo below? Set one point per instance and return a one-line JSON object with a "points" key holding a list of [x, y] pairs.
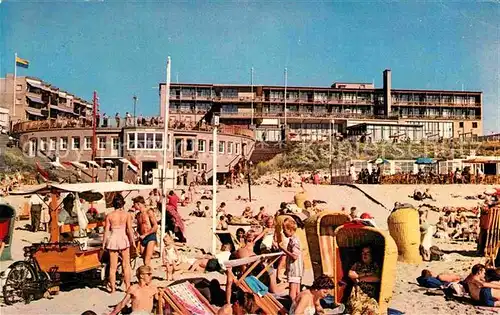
{"points": [[307, 302], [118, 237]]}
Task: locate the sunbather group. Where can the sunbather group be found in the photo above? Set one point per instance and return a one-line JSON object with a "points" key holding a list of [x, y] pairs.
{"points": [[482, 291]]}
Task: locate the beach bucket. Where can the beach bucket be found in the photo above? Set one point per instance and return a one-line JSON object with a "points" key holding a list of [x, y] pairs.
{"points": [[300, 198], [404, 227]]}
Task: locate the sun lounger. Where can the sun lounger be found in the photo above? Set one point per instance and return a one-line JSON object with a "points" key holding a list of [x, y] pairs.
{"points": [[266, 301], [184, 298]]}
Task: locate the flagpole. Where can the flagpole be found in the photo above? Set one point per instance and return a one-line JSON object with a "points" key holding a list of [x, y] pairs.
{"points": [[251, 82], [15, 85], [286, 79], [165, 152]]}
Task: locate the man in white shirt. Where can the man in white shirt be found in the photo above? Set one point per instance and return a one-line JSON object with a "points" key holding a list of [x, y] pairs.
{"points": [[35, 211]]}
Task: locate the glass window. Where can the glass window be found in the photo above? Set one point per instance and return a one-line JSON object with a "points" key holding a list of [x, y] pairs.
{"points": [[158, 141], [474, 124], [115, 143], [150, 141], [204, 166], [76, 143], [87, 143], [229, 148], [189, 145], [211, 146], [201, 145], [237, 148], [131, 141], [222, 146], [63, 143], [43, 144], [141, 140], [52, 144], [101, 143]]}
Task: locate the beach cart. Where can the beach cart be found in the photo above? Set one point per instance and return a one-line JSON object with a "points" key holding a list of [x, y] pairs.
{"points": [[349, 239], [49, 265], [320, 230]]}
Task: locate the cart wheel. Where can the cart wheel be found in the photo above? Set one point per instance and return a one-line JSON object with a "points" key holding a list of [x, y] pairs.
{"points": [[20, 281]]}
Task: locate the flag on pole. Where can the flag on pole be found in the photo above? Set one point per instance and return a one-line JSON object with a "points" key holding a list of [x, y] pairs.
{"points": [[20, 62]]}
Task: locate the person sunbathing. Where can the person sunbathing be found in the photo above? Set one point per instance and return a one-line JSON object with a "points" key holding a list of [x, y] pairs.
{"points": [[210, 263], [428, 279], [141, 294], [486, 293], [247, 213]]}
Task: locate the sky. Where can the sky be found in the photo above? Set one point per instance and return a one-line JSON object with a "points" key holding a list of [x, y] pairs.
{"points": [[119, 48]]}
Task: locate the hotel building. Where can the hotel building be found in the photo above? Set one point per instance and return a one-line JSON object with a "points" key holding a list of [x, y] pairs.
{"points": [[348, 108]]}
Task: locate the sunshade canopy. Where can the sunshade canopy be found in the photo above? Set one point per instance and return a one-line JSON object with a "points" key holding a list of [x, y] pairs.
{"points": [[425, 160], [83, 187]]}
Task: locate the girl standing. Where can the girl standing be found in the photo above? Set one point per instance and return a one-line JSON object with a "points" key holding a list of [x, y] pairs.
{"points": [[294, 261]]}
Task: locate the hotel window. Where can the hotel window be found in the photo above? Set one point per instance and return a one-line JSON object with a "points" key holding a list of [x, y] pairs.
{"points": [[19, 87], [474, 125], [87, 143], [115, 143], [52, 144], [461, 124], [237, 148], [211, 146], [63, 143], [158, 141], [222, 145], [75, 143], [131, 141], [201, 145], [229, 148], [204, 166], [141, 141], [101, 143], [189, 145], [43, 144], [150, 141]]}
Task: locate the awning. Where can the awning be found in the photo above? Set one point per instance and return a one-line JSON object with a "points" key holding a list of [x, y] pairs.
{"points": [[62, 109], [35, 99], [78, 165], [92, 163], [57, 165], [86, 187], [34, 111]]}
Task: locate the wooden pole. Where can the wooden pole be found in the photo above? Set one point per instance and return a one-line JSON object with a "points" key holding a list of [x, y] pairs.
{"points": [[249, 187], [54, 227]]}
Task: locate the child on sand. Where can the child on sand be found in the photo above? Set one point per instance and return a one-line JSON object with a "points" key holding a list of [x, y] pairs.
{"points": [[294, 262], [170, 257], [247, 213]]}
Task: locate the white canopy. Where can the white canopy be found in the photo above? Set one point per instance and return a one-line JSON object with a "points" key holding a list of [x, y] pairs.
{"points": [[83, 187], [78, 165]]}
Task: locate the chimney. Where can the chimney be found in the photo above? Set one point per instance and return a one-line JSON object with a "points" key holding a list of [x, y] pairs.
{"points": [[387, 91]]}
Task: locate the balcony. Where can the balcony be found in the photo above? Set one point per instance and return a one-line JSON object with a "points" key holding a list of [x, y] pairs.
{"points": [[186, 155], [433, 104]]}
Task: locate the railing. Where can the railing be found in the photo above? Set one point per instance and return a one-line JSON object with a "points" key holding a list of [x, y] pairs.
{"points": [[436, 104], [58, 124], [294, 114]]}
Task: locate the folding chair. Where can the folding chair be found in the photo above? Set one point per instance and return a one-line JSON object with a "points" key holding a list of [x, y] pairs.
{"points": [[267, 302], [184, 298]]}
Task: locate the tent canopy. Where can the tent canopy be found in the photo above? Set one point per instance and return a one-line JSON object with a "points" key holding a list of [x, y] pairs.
{"points": [[83, 187], [425, 160]]}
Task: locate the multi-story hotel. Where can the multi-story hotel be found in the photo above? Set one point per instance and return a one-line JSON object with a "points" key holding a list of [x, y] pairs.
{"points": [[39, 100], [352, 109]]}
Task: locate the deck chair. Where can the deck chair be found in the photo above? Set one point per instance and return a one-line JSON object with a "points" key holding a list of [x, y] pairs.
{"points": [[266, 302], [183, 298]]}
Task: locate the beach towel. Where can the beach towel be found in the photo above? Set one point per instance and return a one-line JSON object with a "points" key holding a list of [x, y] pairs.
{"points": [[256, 286]]}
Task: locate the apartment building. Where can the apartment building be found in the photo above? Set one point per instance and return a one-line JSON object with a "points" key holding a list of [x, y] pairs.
{"points": [[39, 100], [312, 113]]}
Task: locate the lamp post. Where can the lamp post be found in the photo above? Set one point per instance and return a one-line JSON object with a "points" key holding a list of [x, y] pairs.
{"points": [[215, 123]]}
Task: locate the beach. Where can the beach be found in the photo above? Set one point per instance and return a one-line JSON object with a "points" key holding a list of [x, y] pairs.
{"points": [[407, 298]]}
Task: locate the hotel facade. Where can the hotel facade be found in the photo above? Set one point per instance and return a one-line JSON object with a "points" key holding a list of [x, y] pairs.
{"points": [[312, 113]]}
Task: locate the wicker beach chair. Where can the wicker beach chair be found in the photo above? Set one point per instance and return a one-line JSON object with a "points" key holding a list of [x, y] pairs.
{"points": [[183, 298], [404, 229], [320, 230], [492, 245], [348, 241], [267, 302]]}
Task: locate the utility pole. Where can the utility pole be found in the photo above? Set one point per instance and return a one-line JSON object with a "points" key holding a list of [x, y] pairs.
{"points": [[94, 129], [251, 83]]}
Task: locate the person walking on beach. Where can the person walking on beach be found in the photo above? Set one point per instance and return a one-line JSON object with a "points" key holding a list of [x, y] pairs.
{"points": [[118, 236], [147, 227], [141, 294], [35, 211]]}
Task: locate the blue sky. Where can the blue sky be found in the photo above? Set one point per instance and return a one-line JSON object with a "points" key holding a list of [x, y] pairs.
{"points": [[120, 48]]}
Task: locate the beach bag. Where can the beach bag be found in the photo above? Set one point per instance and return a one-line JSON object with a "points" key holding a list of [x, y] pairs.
{"points": [[359, 303]]}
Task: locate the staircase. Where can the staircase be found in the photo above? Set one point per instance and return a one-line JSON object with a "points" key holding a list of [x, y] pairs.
{"points": [[265, 151]]}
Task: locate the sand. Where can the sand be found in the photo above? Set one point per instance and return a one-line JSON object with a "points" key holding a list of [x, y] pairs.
{"points": [[408, 297]]}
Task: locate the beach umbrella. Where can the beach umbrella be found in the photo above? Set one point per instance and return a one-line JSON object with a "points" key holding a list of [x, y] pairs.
{"points": [[424, 160], [379, 161]]}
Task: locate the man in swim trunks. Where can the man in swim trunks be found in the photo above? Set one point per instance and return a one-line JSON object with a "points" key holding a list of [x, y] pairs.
{"points": [[487, 293], [142, 294], [146, 227]]}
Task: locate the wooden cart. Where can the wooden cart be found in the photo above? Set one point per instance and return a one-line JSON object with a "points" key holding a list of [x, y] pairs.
{"points": [[47, 265]]}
